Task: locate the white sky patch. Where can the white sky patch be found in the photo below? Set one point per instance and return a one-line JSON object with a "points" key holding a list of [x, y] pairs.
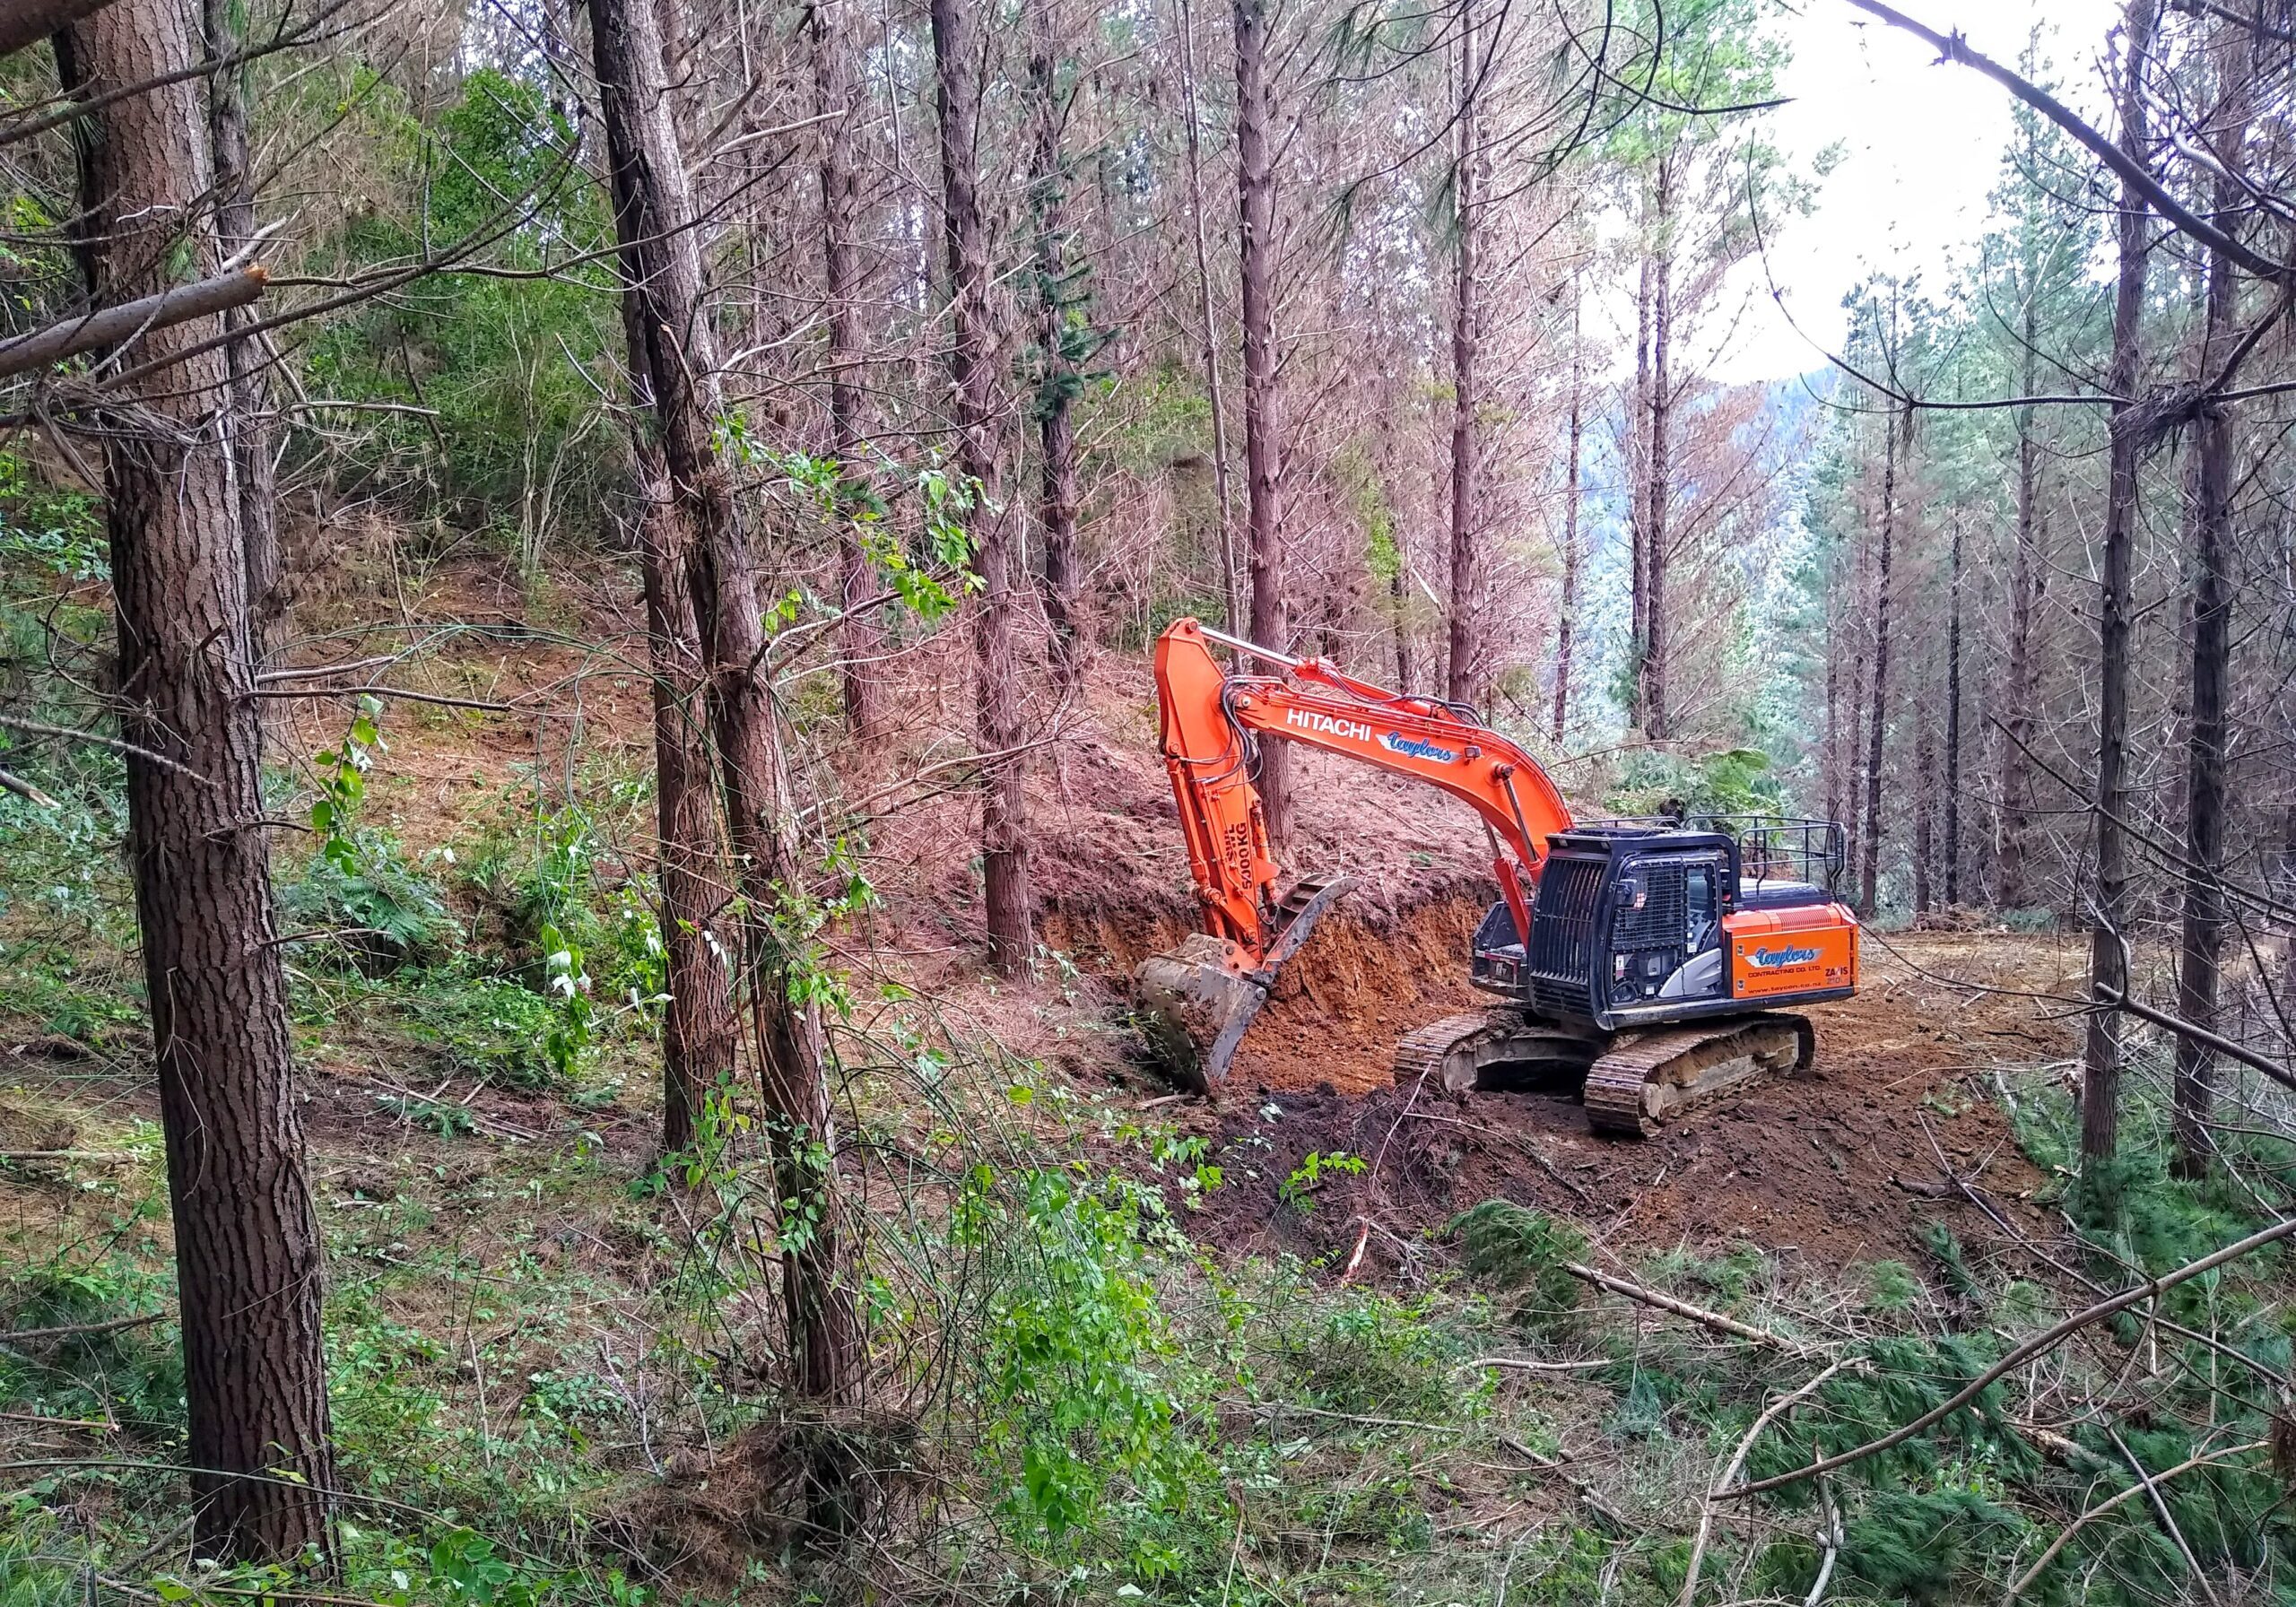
{"points": [[1921, 147]]}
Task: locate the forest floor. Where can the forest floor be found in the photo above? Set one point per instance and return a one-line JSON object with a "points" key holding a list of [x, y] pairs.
{"points": [[529, 1323], [1906, 1084]]}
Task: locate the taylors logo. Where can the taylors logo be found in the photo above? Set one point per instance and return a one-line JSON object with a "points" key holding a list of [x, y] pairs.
{"points": [[1307, 719], [1787, 956], [1417, 747]]}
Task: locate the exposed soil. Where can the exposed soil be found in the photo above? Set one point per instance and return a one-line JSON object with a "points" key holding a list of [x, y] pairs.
{"points": [[1819, 1166], [1847, 1164]]}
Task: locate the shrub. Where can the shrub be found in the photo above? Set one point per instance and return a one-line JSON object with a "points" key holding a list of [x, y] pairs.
{"points": [[1513, 1248], [384, 912]]}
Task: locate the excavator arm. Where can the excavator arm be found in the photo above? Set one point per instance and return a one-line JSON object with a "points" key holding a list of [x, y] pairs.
{"points": [[1205, 993]]}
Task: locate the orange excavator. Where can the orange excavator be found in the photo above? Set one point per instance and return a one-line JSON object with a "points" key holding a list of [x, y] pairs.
{"points": [[1660, 961]]}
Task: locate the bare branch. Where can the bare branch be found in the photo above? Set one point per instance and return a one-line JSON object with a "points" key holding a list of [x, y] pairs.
{"points": [[1952, 47], [114, 325], [2041, 1343]]}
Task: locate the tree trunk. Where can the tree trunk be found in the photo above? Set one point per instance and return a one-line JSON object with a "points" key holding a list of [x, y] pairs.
{"points": [[972, 379], [247, 1249], [661, 263], [858, 639], [2210, 539], [1057, 384], [1460, 686], [1858, 630], [1231, 585], [1256, 206], [1869, 865], [1837, 641], [700, 1038], [1924, 792], [1952, 825], [1638, 491], [1662, 491], [1567, 603], [698, 1035], [253, 446], [2107, 968], [2027, 579]]}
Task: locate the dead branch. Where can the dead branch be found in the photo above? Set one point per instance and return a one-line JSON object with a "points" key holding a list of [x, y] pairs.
{"points": [[2136, 1294], [74, 735], [112, 326], [2199, 1035], [1770, 1414], [2106, 1505], [1955, 47], [24, 1336], [1696, 1313], [27, 791]]}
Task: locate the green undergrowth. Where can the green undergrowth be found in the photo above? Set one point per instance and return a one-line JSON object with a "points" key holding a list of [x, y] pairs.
{"points": [[554, 1354]]}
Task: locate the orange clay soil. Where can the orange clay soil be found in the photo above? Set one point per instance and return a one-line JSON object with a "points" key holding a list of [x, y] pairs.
{"points": [[1845, 1164]]}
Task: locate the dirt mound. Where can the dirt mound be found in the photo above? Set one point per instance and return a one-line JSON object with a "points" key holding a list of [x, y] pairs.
{"points": [[1841, 1165]]}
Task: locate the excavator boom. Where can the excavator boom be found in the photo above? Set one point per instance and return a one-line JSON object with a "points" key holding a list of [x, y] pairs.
{"points": [[1200, 998]]}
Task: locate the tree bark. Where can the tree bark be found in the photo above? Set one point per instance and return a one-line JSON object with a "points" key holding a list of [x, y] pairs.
{"points": [[1924, 824], [1655, 723], [1859, 629], [1567, 603], [2210, 540], [2027, 579], [661, 264], [1058, 382], [699, 1036], [1952, 822], [1262, 429], [1464, 600], [972, 378], [1638, 489], [2107, 968], [858, 639], [253, 444], [1870, 857], [247, 1248], [1231, 585]]}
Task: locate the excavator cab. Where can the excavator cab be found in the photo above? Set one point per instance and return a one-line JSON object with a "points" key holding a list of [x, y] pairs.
{"points": [[1640, 922]]}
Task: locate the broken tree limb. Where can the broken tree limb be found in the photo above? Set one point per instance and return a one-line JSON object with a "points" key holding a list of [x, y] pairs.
{"points": [[2136, 1294], [25, 790], [82, 1330], [26, 23], [1696, 1313], [1955, 47], [111, 326], [2199, 1035], [1769, 1414], [2126, 1495]]}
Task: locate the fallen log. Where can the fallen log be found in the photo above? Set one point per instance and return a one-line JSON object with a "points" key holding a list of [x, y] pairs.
{"points": [[111, 326]]}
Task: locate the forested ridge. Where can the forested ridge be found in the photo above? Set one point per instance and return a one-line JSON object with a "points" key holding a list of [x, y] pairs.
{"points": [[581, 791]]}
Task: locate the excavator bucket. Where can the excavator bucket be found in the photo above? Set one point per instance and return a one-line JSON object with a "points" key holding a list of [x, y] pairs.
{"points": [[1195, 1005], [1197, 1000]]}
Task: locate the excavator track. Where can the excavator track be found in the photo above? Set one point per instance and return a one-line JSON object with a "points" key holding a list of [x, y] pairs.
{"points": [[1478, 1048], [1646, 1080]]}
